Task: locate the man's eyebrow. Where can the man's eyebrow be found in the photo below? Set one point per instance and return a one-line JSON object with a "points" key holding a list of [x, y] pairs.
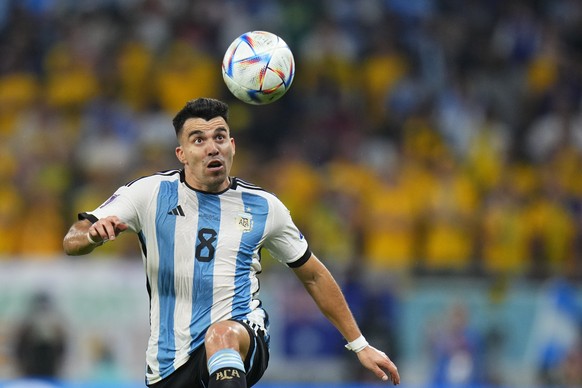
{"points": [[197, 132]]}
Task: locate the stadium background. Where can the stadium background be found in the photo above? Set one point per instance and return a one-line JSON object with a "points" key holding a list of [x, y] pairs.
{"points": [[431, 151]]}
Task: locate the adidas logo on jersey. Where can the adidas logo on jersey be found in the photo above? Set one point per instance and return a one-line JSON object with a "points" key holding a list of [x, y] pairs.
{"points": [[177, 211]]}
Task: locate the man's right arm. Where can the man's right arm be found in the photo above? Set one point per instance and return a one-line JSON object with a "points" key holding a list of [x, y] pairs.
{"points": [[85, 236]]}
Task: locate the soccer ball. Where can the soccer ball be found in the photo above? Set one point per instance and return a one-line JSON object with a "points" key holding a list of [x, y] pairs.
{"points": [[258, 67]]}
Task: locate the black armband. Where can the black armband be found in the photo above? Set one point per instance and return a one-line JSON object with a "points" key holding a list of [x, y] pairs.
{"points": [[87, 216], [302, 260]]}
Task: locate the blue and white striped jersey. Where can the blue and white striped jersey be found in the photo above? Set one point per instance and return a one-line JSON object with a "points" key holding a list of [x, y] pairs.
{"points": [[201, 256]]}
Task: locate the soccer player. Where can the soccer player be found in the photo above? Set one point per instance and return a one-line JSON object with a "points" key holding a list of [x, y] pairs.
{"points": [[201, 232]]}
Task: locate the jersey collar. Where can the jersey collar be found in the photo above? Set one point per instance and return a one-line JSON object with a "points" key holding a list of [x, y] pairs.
{"points": [[233, 184]]}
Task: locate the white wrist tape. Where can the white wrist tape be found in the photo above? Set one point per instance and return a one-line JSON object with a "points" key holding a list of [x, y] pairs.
{"points": [[93, 242], [357, 345]]}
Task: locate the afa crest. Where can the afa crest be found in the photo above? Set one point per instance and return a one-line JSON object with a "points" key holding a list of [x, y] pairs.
{"points": [[244, 222]]}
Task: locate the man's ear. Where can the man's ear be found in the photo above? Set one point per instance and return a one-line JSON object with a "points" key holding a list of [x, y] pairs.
{"points": [[180, 154]]}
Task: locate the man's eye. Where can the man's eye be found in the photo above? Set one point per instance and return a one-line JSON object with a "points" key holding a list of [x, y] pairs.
{"points": [[197, 140]]}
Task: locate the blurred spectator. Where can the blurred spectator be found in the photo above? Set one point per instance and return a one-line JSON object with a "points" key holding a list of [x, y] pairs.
{"points": [[11, 206], [37, 242], [551, 227], [391, 219], [327, 41], [457, 351], [488, 151], [556, 336], [556, 129], [334, 221], [459, 115], [40, 340], [503, 231], [185, 71], [18, 91], [134, 69], [450, 218], [71, 81], [383, 66]]}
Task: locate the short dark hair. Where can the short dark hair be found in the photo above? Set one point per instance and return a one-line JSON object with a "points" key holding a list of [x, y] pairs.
{"points": [[205, 108]]}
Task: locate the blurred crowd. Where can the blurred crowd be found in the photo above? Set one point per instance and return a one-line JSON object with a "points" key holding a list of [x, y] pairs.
{"points": [[437, 137]]}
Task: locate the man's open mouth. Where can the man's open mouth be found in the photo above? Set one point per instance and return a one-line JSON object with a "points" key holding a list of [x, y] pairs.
{"points": [[214, 164]]}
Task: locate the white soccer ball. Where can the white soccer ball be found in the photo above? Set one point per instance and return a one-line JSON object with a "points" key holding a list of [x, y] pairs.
{"points": [[258, 67]]}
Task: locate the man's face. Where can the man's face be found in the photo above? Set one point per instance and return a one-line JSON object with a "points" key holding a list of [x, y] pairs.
{"points": [[206, 150]]}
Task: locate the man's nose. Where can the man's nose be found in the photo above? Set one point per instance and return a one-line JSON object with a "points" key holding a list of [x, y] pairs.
{"points": [[212, 148]]}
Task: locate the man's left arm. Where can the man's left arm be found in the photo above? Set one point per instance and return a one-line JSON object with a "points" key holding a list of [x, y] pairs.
{"points": [[328, 296]]}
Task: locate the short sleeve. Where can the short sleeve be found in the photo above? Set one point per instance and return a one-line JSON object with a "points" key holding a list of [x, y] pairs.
{"points": [[285, 242], [124, 203]]}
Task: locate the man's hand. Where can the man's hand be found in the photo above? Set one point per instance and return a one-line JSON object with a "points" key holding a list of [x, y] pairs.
{"points": [[83, 236], [106, 229], [379, 363]]}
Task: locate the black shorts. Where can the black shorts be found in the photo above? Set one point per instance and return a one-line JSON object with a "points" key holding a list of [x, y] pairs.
{"points": [[194, 373]]}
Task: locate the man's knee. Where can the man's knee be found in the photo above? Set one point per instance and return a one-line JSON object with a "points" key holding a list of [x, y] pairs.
{"points": [[224, 350], [226, 335]]}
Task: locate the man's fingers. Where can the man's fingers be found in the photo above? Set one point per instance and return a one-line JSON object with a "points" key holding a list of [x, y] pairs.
{"points": [[395, 377], [381, 375], [387, 376], [393, 374], [99, 230], [107, 228], [118, 227]]}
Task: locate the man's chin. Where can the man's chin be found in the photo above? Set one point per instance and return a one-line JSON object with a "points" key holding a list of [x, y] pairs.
{"points": [[218, 180], [218, 175]]}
